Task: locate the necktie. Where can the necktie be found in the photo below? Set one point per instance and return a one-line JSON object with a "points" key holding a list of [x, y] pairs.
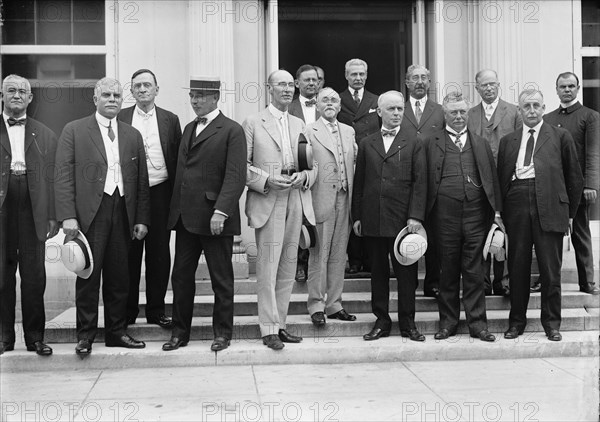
{"points": [[418, 111], [457, 140], [529, 148], [111, 134], [356, 97], [385, 132], [202, 120], [488, 111], [310, 103], [16, 122]]}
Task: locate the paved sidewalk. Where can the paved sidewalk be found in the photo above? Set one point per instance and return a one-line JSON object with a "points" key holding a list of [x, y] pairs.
{"points": [[548, 389]]}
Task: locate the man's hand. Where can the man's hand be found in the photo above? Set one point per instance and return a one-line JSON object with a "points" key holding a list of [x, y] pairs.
{"points": [[217, 222], [279, 182], [70, 229], [500, 223], [298, 179], [139, 231], [590, 195], [52, 229], [413, 225], [357, 228]]}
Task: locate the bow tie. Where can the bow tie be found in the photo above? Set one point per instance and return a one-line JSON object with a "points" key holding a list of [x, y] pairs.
{"points": [[310, 103], [202, 120], [20, 122], [456, 135], [385, 132]]}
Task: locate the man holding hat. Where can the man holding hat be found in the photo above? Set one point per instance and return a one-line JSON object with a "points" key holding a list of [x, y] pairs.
{"points": [[27, 216], [210, 178], [102, 190], [334, 148], [390, 183], [463, 199], [278, 198]]}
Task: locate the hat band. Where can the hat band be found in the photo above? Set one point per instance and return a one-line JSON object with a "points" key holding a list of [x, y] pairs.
{"points": [[205, 85], [85, 252]]}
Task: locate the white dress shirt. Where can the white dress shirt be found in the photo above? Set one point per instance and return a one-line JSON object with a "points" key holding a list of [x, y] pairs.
{"points": [[360, 92], [147, 124], [281, 118], [114, 179], [389, 140], [209, 118], [309, 112], [16, 136], [413, 103], [489, 109], [522, 171]]}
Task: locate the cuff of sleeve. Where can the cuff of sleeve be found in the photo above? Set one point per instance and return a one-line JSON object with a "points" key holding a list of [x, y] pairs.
{"points": [[221, 213]]}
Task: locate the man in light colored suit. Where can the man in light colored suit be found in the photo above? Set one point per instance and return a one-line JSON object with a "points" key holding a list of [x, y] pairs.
{"points": [[492, 119], [335, 150], [276, 202]]}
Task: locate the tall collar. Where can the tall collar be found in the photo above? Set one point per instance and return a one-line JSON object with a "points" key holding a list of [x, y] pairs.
{"points": [[276, 112], [105, 121], [571, 107], [212, 115], [360, 91], [142, 113], [413, 101]]}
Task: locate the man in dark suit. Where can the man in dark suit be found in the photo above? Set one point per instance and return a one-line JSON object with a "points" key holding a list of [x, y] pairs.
{"points": [[584, 126], [389, 193], [27, 215], [102, 189], [463, 199], [210, 178], [305, 108], [492, 119], [422, 118], [541, 185], [161, 133], [359, 110]]}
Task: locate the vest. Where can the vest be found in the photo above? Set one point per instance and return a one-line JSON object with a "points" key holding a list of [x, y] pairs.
{"points": [[460, 177]]}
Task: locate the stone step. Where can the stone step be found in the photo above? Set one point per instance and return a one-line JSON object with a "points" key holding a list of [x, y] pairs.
{"points": [[316, 350], [360, 302], [62, 328]]}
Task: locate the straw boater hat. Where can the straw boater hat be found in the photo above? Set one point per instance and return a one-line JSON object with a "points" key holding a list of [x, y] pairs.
{"points": [[305, 153], [409, 247], [204, 83], [76, 256], [308, 237], [494, 244]]}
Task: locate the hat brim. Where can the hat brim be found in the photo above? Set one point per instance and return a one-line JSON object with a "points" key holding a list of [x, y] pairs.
{"points": [[409, 260], [488, 240], [305, 153], [308, 237], [86, 272]]}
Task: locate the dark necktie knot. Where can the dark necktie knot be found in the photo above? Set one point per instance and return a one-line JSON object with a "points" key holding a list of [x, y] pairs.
{"points": [[310, 103], [456, 135], [385, 132], [111, 134], [202, 120], [16, 122]]}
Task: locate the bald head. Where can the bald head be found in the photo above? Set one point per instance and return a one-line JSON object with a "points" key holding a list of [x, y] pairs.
{"points": [[281, 87]]}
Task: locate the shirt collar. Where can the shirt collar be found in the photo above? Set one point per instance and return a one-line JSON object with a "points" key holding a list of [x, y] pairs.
{"points": [[302, 99], [494, 103], [449, 129], [211, 116], [143, 113], [569, 105], [276, 112], [395, 129], [6, 117], [327, 122], [536, 128], [104, 121], [360, 91], [413, 102]]}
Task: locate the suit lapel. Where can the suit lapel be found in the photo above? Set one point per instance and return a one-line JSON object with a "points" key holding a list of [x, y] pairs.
{"points": [[163, 129], [29, 135], [475, 118], [270, 126], [324, 136], [377, 145], [96, 136], [499, 114], [4, 137], [212, 128], [409, 114], [427, 112], [542, 138], [398, 143], [365, 104], [348, 101], [124, 146]]}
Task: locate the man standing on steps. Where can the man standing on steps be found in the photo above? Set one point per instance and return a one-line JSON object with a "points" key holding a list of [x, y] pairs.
{"points": [[27, 215], [584, 126], [390, 192], [359, 110], [210, 178], [102, 189], [161, 133], [463, 200], [305, 107], [423, 117], [492, 119], [541, 184], [277, 200], [334, 148]]}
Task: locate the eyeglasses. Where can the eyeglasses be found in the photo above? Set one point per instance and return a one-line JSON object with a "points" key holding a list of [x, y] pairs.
{"points": [[284, 85]]}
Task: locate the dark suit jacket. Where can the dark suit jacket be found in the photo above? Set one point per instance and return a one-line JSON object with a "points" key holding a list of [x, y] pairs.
{"points": [[82, 170], [364, 118], [295, 109], [432, 120], [169, 131], [389, 188], [40, 152], [558, 178], [211, 175], [436, 151], [507, 119]]}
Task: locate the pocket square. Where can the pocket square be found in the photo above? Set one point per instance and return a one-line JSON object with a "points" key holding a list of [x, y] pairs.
{"points": [[372, 110], [133, 158]]}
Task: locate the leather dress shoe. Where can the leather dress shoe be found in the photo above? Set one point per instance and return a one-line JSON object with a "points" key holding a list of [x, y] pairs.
{"points": [[286, 337], [484, 335], [554, 335], [512, 332], [353, 269], [434, 292], [536, 287], [219, 343], [174, 343], [376, 333], [273, 341], [40, 348], [318, 319], [301, 275], [589, 289], [412, 334], [84, 347], [443, 334], [161, 320], [6, 347], [125, 341], [342, 315]]}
